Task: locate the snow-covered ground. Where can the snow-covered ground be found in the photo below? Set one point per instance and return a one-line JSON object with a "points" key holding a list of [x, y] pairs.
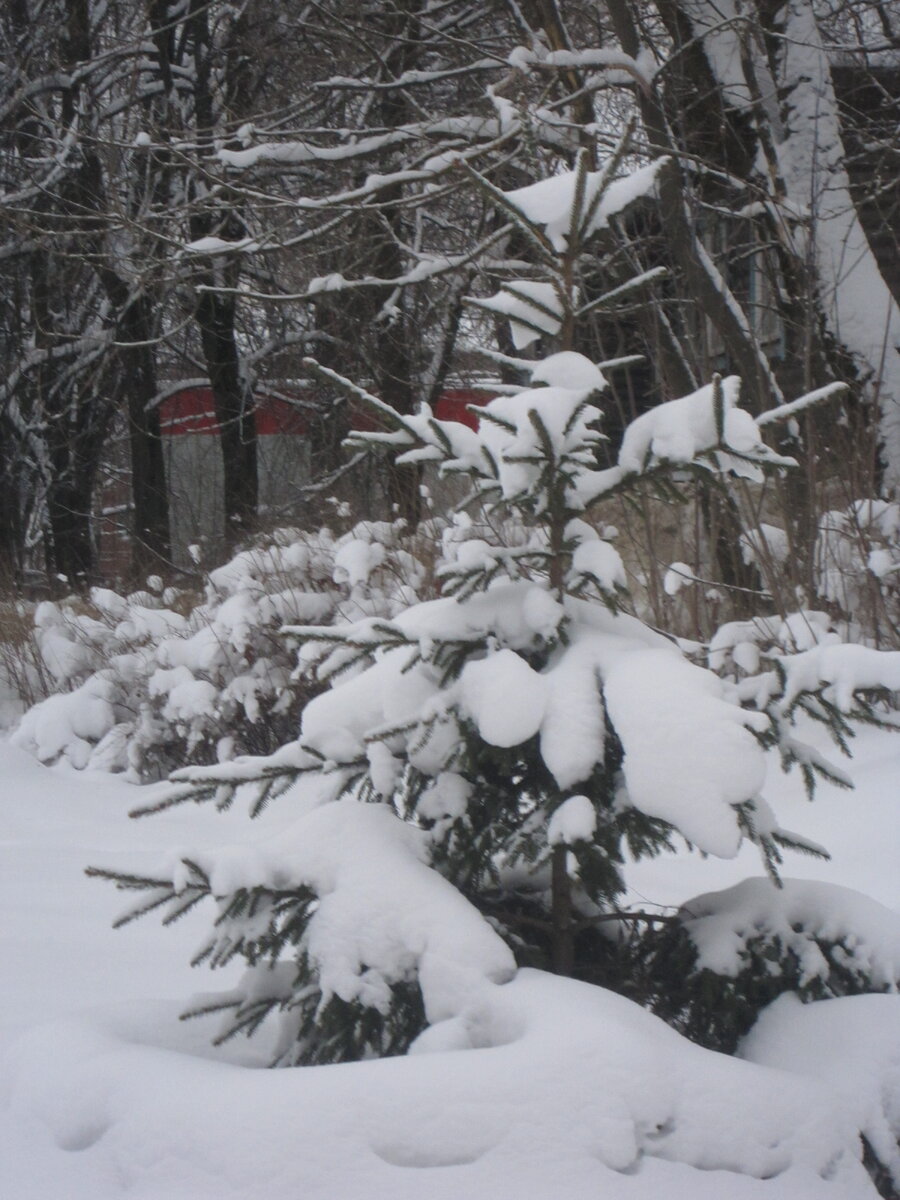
{"points": [[573, 1092]]}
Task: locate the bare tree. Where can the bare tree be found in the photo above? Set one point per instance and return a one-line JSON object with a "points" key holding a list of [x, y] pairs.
{"points": [[214, 189], [80, 343]]}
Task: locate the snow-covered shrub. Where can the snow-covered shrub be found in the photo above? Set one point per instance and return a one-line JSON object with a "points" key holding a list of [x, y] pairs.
{"points": [[857, 565], [149, 681], [731, 953], [741, 648], [465, 792]]}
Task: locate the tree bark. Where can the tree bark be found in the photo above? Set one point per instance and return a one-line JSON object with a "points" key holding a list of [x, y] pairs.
{"points": [[563, 951], [234, 412], [216, 314]]}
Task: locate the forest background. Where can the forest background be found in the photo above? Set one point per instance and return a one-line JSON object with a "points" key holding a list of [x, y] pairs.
{"points": [[204, 194]]}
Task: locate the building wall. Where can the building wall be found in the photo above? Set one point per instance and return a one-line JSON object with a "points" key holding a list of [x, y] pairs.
{"points": [[195, 476]]}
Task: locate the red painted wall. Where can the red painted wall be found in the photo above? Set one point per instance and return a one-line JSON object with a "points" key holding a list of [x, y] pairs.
{"points": [[191, 411]]}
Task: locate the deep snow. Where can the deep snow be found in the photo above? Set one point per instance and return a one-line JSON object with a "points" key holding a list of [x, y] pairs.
{"points": [[542, 1088]]}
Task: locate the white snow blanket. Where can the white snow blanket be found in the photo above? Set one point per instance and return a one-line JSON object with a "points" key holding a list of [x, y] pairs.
{"points": [[539, 1087]]}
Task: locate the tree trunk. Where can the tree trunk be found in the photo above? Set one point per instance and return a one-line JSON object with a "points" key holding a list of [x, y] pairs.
{"points": [[690, 259], [234, 412], [216, 314], [10, 531], [563, 951], [72, 554], [151, 546]]}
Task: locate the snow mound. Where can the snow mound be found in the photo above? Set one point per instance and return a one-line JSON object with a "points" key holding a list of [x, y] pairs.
{"points": [[69, 723], [560, 1081], [851, 1045]]}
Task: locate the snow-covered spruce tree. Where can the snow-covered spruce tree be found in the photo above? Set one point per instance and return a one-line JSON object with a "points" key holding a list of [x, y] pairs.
{"points": [[465, 794]]}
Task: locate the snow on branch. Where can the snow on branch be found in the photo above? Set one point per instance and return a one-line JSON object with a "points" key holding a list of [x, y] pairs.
{"points": [[616, 293], [297, 153], [804, 916], [841, 671], [383, 916], [705, 428], [785, 411], [550, 203], [407, 79], [610, 60]]}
